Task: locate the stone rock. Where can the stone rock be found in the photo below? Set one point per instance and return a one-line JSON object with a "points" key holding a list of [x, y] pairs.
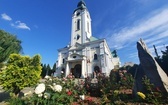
{"points": [[150, 68]]}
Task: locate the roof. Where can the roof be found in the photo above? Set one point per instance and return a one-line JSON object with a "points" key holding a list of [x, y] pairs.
{"points": [[93, 38], [81, 5]]}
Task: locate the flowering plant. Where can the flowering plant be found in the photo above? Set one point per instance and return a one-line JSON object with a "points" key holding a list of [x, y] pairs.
{"points": [[80, 87], [55, 91], [141, 95], [40, 88]]}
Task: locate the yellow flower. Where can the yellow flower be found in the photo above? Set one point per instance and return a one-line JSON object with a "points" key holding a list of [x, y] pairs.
{"points": [[141, 95], [116, 91]]}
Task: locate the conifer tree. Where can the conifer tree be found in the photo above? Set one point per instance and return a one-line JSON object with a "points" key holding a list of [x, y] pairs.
{"points": [[54, 68], [44, 70], [8, 44]]}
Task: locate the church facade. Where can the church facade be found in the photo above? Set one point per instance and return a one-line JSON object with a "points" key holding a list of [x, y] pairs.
{"points": [[85, 55]]}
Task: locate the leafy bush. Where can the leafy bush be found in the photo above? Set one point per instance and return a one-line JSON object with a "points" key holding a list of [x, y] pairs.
{"points": [[21, 71], [16, 101], [114, 88], [153, 95]]}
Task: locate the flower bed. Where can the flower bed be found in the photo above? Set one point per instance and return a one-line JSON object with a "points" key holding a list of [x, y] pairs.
{"points": [[71, 91], [56, 91]]}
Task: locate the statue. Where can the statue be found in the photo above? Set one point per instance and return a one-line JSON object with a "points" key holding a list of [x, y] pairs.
{"points": [[114, 53]]}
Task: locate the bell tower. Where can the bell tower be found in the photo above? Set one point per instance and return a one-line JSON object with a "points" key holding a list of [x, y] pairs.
{"points": [[81, 25]]}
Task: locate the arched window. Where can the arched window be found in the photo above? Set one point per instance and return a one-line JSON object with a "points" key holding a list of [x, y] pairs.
{"points": [[95, 56], [78, 24], [63, 61], [88, 26], [77, 37], [78, 14]]}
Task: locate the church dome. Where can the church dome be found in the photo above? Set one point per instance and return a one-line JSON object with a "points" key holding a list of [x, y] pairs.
{"points": [[81, 4]]}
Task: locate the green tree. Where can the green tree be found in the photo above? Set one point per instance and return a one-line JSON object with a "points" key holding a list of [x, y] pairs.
{"points": [[8, 44], [54, 68], [21, 71], [163, 60], [44, 70], [49, 71]]}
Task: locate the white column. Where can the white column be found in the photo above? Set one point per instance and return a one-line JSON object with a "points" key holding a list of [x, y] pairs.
{"points": [[72, 30], [67, 69], [83, 68]]}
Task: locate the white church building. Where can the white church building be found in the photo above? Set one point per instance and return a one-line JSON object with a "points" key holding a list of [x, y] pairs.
{"points": [[85, 55]]}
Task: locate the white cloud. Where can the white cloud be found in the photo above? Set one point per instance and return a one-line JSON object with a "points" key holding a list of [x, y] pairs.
{"points": [[20, 25], [141, 29], [6, 17], [153, 28], [159, 37], [17, 24], [133, 55]]}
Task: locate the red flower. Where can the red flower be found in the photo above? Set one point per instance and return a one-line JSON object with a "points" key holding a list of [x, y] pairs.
{"points": [[69, 93], [89, 99]]}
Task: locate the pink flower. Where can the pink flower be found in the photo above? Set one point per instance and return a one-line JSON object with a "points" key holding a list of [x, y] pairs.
{"points": [[124, 71], [121, 74]]}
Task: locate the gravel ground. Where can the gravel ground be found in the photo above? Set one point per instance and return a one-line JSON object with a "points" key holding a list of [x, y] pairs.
{"points": [[4, 95]]}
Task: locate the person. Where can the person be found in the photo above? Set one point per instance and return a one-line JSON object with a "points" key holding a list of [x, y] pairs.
{"points": [[94, 74]]}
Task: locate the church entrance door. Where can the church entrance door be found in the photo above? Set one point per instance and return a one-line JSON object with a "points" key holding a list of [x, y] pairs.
{"points": [[77, 71], [97, 69]]}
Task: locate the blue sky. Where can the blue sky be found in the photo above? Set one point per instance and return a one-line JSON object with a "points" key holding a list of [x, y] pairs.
{"points": [[44, 26]]}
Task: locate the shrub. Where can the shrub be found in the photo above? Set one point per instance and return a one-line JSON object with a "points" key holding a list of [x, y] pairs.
{"points": [[21, 71], [114, 88]]}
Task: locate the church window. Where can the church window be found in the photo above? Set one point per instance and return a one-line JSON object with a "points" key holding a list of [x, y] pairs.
{"points": [[77, 37], [63, 61], [88, 26], [74, 56], [78, 24], [78, 13], [95, 56]]}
